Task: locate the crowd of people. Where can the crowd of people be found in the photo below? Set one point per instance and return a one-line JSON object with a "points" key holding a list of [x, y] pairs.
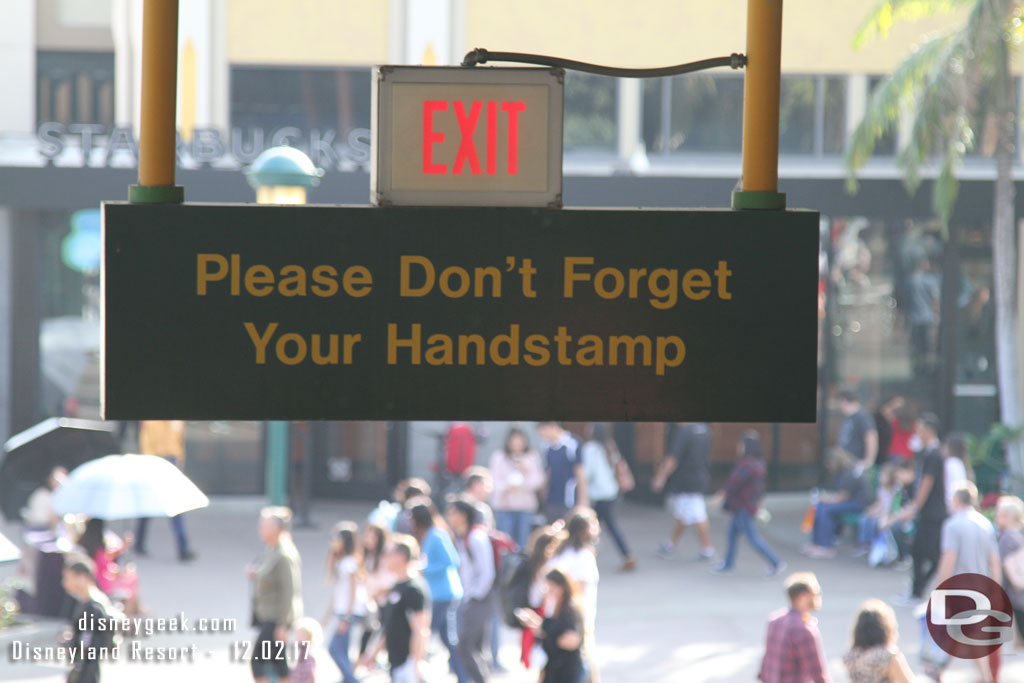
{"points": [[894, 481], [516, 547], [910, 497], [968, 544]]}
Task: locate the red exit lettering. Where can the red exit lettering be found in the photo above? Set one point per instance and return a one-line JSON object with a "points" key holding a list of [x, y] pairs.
{"points": [[467, 118]]}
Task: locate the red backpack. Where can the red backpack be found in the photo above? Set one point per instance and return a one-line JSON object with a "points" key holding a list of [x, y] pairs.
{"points": [[501, 543], [461, 448]]}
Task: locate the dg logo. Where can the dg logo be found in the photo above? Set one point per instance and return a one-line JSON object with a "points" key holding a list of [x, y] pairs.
{"points": [[969, 616]]}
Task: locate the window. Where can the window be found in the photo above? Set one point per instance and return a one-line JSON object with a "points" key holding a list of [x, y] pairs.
{"points": [[834, 114], [886, 145], [696, 113], [704, 113], [326, 99], [590, 113], [75, 87], [797, 100]]}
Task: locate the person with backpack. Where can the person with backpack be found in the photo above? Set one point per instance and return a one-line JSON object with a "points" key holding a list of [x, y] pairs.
{"points": [[459, 456], [599, 454], [742, 495], [477, 571], [479, 489], [479, 486]]}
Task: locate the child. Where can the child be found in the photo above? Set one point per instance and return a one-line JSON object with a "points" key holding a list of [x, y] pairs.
{"points": [[308, 635], [956, 465], [871, 520], [119, 582], [902, 531]]}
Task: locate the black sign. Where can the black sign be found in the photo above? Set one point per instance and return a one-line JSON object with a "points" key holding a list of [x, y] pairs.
{"points": [[350, 313]]}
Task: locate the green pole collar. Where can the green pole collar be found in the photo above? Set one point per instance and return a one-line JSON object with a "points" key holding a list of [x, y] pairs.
{"points": [[156, 194], [770, 201]]}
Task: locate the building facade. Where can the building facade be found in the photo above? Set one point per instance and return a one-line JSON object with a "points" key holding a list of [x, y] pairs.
{"points": [[259, 73]]}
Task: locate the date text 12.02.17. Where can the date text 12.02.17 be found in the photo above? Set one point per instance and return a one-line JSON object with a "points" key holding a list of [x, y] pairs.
{"points": [[244, 650]]}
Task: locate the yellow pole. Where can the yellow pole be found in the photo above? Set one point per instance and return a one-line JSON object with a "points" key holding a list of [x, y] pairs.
{"points": [[760, 182], [159, 90]]}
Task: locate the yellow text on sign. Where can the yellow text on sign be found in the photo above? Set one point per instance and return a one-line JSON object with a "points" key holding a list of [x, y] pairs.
{"points": [[291, 280]]}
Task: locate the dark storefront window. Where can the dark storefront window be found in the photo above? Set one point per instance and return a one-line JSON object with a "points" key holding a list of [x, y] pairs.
{"points": [[590, 113], [308, 98], [887, 277], [900, 287], [75, 87]]}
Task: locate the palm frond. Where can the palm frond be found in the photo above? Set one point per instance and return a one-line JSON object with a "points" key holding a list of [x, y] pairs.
{"points": [[895, 93], [941, 122], [947, 186], [886, 13]]}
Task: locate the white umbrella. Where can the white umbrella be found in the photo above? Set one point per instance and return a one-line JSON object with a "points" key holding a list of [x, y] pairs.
{"points": [[126, 487]]}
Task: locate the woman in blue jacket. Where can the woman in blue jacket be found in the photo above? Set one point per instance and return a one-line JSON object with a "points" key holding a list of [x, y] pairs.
{"points": [[441, 571]]}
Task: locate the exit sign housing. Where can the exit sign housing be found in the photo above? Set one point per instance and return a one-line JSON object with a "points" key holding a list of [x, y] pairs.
{"points": [[466, 136]]}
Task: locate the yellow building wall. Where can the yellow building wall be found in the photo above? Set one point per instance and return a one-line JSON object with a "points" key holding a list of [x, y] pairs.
{"points": [[817, 36], [310, 32]]}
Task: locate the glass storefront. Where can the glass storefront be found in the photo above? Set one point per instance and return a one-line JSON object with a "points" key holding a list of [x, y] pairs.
{"points": [[910, 314]]}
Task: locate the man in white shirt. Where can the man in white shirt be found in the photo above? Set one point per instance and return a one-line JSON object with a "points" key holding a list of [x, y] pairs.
{"points": [[969, 546]]}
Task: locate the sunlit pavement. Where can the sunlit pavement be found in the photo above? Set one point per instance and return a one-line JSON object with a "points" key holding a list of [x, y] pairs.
{"points": [[670, 621]]}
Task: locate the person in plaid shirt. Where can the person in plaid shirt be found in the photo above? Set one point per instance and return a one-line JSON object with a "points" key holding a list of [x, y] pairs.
{"points": [[793, 652]]}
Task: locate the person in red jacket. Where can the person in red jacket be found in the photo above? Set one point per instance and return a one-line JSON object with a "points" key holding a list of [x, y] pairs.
{"points": [[742, 496]]}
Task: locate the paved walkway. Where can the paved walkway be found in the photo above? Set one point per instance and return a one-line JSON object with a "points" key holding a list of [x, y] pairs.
{"points": [[671, 621]]}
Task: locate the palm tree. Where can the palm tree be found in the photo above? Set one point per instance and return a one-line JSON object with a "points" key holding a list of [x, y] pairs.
{"points": [[944, 86]]}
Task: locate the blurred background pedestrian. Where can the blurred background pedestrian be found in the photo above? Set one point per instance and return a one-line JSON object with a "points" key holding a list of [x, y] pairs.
{"points": [[600, 455], [741, 496], [518, 477], [684, 476]]}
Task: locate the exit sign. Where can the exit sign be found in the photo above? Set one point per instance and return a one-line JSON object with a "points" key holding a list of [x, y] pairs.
{"points": [[466, 136]]}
